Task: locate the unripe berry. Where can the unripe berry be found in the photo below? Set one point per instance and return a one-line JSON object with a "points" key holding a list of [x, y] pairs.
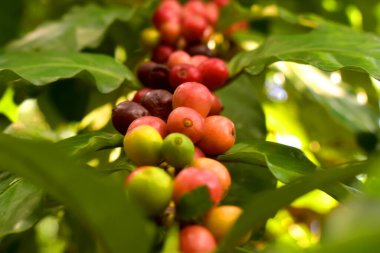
{"points": [[150, 38], [178, 150], [196, 239], [153, 121], [124, 113], [182, 73], [218, 136], [214, 73]]}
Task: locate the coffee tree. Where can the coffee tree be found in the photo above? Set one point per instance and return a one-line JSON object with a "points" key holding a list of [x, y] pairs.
{"points": [[189, 126]]}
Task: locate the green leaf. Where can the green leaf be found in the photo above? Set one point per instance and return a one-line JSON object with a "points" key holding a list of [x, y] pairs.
{"points": [[259, 209], [97, 201], [285, 162], [194, 204], [20, 204], [242, 106], [82, 27], [10, 16], [326, 47], [44, 68]]}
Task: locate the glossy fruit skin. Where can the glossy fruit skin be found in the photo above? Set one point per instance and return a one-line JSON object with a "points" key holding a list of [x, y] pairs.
{"points": [[144, 70], [151, 188], [124, 113], [214, 73], [158, 102], [219, 220], [196, 60], [178, 57], [194, 95], [153, 121], [193, 27], [218, 168], [183, 73], [178, 150], [219, 135], [159, 77], [170, 32], [140, 94], [191, 178], [143, 145], [186, 121], [216, 106], [161, 53], [196, 239]]}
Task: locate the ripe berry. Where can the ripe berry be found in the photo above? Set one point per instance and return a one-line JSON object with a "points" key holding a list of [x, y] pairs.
{"points": [[212, 13], [219, 220], [214, 73], [170, 32], [178, 150], [196, 239], [158, 102], [217, 106], [178, 57], [161, 53], [186, 121], [217, 167], [126, 112], [195, 7], [198, 153], [144, 70], [193, 27], [140, 94], [151, 188], [196, 60], [159, 77], [191, 178], [143, 145], [218, 136], [199, 49], [163, 15], [153, 121], [194, 95], [182, 73]]}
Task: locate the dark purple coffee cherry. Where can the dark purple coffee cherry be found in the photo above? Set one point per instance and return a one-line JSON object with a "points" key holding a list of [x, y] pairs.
{"points": [[199, 49], [158, 102], [159, 77], [144, 70], [124, 113]]}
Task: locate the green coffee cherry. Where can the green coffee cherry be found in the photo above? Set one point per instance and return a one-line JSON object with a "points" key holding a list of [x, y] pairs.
{"points": [[178, 150], [143, 145]]}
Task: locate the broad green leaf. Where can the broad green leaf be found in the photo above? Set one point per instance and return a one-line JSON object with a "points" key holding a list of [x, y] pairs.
{"points": [[82, 27], [44, 68], [97, 201], [259, 209], [241, 105], [285, 162], [20, 204], [194, 204], [326, 47]]}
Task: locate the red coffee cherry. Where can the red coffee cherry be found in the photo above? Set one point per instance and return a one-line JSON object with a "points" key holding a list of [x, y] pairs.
{"points": [[193, 27], [178, 57], [218, 168], [196, 239], [196, 60], [144, 70], [161, 53], [214, 73], [163, 15], [159, 77], [153, 121], [170, 32], [198, 153], [212, 13], [218, 136], [140, 94], [194, 95], [186, 121], [182, 73], [158, 102], [191, 178], [195, 7], [172, 5], [126, 112], [217, 106], [221, 3]]}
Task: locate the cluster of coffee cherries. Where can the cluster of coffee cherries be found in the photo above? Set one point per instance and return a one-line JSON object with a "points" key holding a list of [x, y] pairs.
{"points": [[173, 128]]}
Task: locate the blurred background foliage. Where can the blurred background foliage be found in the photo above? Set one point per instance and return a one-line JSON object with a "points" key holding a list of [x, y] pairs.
{"points": [[333, 117]]}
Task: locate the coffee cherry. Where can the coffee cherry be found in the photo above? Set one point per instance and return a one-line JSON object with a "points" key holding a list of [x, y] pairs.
{"points": [[196, 60], [194, 95], [164, 15], [186, 121], [143, 72], [159, 77], [126, 112], [219, 220], [170, 32], [212, 13], [218, 136], [198, 153], [153, 121], [196, 239], [195, 7], [216, 106], [140, 94], [150, 38], [161, 53], [172, 5], [214, 73], [178, 57], [199, 49], [191, 178], [182, 73], [193, 27], [178, 150], [143, 145], [151, 188], [158, 102]]}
